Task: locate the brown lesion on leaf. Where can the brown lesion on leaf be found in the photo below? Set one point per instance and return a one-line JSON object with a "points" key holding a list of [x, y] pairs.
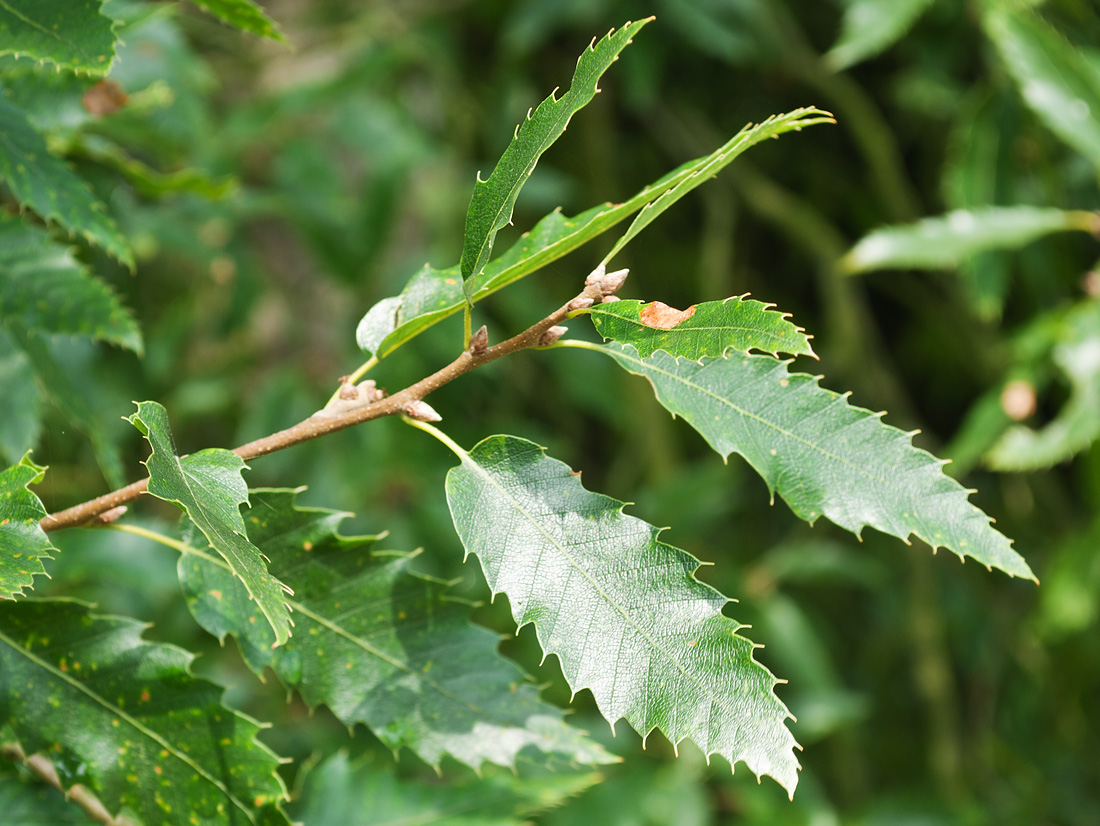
{"points": [[660, 316]]}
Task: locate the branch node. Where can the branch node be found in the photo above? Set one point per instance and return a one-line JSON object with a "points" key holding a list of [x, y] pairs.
{"points": [[552, 335], [479, 342], [421, 411]]}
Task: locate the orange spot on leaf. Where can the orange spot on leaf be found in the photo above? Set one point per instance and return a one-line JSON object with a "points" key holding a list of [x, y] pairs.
{"points": [[663, 317]]}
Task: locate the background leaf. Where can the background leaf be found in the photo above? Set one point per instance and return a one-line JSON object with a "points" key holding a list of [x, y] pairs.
{"points": [[40, 180], [1054, 77], [378, 644], [822, 455], [153, 739], [711, 329], [622, 611], [340, 791], [945, 242], [244, 14], [493, 199], [27, 802], [870, 27], [71, 34], [208, 487], [23, 543], [48, 290]]}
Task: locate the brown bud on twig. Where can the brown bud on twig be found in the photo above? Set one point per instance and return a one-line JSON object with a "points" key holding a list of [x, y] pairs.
{"points": [[350, 397], [581, 302], [107, 517], [422, 411], [608, 283], [552, 335], [479, 342]]}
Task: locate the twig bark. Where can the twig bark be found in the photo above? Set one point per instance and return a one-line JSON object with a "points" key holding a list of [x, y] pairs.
{"points": [[326, 421]]}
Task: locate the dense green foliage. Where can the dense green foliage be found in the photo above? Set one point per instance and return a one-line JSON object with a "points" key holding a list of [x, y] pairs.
{"points": [[227, 208]]}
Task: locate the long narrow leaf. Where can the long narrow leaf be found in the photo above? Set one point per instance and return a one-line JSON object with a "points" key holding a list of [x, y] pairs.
{"points": [[622, 610], [493, 199], [821, 454]]}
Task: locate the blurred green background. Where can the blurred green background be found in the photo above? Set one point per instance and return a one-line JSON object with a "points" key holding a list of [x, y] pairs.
{"points": [[926, 692]]}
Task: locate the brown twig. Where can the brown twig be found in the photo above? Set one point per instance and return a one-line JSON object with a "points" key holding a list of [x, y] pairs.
{"points": [[44, 770], [327, 421]]}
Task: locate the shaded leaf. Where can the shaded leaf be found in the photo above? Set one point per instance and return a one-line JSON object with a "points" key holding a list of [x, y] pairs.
{"points": [[822, 455], [493, 199], [1054, 78], [47, 289], [23, 543], [1076, 355], [339, 791], [622, 611], [208, 487], [870, 27], [22, 419], [42, 181], [26, 801], [702, 170], [945, 241], [127, 719], [378, 644], [709, 329], [243, 14], [72, 34]]}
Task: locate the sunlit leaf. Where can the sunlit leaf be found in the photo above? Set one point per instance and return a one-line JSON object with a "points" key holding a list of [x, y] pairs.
{"points": [[126, 719], [493, 199], [244, 14], [378, 644], [208, 487], [706, 168], [23, 543], [821, 454], [47, 289], [870, 27], [944, 242], [339, 791], [40, 180], [622, 610], [1053, 76], [71, 34], [706, 329]]}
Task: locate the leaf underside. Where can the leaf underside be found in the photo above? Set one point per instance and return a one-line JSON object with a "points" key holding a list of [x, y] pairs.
{"points": [[493, 199], [711, 328], [127, 719], [379, 644], [23, 543], [821, 454], [208, 487], [622, 611]]}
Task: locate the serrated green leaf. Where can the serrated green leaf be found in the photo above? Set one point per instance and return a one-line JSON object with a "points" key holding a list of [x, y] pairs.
{"points": [[870, 27], [1076, 354], [208, 487], [378, 644], [622, 611], [706, 329], [42, 181], [71, 34], [946, 241], [244, 14], [1052, 75], [125, 718], [342, 792], [23, 543], [821, 454], [47, 289], [706, 168], [493, 199]]}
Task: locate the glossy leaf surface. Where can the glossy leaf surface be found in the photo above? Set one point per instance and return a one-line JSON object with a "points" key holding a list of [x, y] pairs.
{"points": [[821, 454], [208, 487], [706, 329], [621, 610], [126, 718], [379, 644]]}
